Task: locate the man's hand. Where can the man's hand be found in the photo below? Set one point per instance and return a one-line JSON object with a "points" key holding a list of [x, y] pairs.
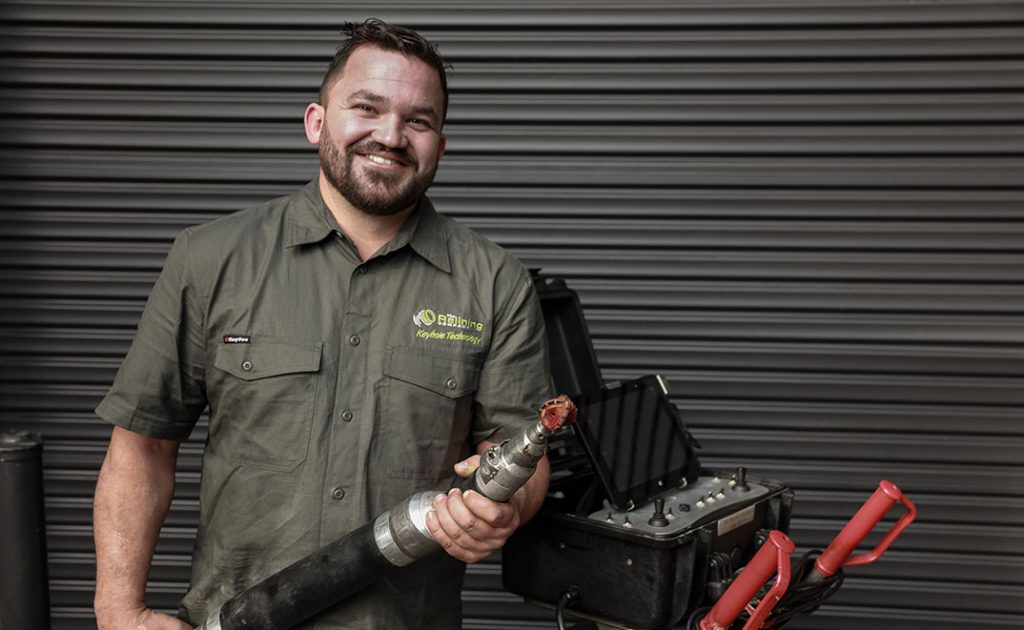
{"points": [[139, 619], [469, 525]]}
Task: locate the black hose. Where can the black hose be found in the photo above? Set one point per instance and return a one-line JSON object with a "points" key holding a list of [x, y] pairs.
{"points": [[803, 598], [693, 623], [569, 597], [308, 586]]}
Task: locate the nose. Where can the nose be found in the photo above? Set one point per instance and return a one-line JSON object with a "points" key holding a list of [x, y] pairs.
{"points": [[390, 132]]}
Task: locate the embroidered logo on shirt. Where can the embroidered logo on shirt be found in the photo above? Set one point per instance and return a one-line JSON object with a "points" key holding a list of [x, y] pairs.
{"points": [[236, 338], [425, 317], [461, 328]]}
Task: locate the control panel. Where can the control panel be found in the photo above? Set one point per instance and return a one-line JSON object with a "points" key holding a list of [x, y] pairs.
{"points": [[677, 509]]}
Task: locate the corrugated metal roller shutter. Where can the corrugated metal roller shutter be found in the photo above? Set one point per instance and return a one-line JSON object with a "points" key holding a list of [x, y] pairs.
{"points": [[806, 214]]}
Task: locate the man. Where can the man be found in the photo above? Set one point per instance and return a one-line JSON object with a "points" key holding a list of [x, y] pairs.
{"points": [[352, 346]]}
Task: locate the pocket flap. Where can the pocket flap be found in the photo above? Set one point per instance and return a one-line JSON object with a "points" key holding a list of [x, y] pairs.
{"points": [[442, 374], [268, 357]]}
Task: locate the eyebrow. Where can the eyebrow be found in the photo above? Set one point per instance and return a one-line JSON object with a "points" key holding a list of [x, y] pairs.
{"points": [[368, 96], [373, 97]]}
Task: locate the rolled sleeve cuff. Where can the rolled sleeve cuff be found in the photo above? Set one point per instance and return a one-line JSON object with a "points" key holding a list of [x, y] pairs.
{"points": [[137, 421]]}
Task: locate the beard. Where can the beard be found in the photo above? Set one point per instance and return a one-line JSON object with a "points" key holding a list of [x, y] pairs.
{"points": [[373, 193]]}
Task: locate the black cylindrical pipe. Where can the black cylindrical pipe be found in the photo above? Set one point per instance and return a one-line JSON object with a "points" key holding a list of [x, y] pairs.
{"points": [[24, 587], [309, 586]]}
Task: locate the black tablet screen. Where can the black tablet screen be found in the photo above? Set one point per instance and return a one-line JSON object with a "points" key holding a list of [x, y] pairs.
{"points": [[632, 433]]}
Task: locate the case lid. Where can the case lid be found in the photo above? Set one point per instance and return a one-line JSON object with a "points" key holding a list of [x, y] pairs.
{"points": [[575, 372], [636, 441], [573, 360]]}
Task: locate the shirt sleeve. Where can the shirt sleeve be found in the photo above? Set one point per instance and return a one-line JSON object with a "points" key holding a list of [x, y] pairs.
{"points": [[515, 378], [160, 390]]}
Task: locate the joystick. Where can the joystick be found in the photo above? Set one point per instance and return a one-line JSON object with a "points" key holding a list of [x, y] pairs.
{"points": [[741, 480], [658, 519]]}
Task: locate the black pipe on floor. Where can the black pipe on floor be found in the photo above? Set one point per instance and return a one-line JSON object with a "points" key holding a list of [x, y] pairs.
{"points": [[24, 585]]}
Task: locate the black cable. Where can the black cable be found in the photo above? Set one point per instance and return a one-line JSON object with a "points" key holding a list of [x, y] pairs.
{"points": [[569, 597], [803, 598], [693, 623]]}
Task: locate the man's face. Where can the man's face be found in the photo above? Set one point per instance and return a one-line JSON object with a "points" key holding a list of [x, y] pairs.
{"points": [[381, 138]]}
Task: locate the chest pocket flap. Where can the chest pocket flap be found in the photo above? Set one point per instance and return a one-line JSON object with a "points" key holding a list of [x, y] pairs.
{"points": [[449, 376], [266, 358]]}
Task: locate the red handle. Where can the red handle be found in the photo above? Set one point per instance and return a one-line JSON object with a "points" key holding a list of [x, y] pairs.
{"points": [[772, 557], [838, 553]]}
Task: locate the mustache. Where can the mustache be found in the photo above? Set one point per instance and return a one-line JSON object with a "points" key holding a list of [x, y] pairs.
{"points": [[371, 146]]}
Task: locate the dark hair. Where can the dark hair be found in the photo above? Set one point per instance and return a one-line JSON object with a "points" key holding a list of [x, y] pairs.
{"points": [[380, 34]]}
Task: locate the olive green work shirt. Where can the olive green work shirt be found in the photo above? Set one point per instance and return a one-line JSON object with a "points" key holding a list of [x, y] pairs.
{"points": [[335, 388]]}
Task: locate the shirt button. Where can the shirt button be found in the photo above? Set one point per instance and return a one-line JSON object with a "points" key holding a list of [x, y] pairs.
{"points": [[451, 383], [354, 340], [247, 365], [338, 494], [346, 415], [361, 271]]}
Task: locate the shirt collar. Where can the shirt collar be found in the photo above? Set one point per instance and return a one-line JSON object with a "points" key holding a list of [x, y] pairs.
{"points": [[424, 231], [426, 234], [308, 222]]}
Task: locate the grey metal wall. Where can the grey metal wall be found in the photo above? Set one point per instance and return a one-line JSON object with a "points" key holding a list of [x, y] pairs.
{"points": [[806, 214]]}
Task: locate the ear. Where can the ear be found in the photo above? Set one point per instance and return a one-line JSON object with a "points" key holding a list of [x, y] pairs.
{"points": [[314, 122]]}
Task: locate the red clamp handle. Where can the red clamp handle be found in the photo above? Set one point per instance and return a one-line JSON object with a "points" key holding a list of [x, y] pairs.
{"points": [[772, 557], [838, 553]]}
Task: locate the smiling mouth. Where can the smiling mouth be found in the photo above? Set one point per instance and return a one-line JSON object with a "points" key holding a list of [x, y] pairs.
{"points": [[381, 155], [383, 161]]}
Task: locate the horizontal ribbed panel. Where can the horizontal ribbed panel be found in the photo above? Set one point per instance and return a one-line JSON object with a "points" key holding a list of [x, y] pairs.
{"points": [[809, 216], [580, 140], [595, 13], [606, 109]]}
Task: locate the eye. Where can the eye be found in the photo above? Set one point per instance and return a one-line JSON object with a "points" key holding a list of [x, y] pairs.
{"points": [[421, 124], [363, 108]]}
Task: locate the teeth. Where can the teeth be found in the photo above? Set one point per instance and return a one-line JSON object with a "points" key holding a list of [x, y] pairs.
{"points": [[381, 160]]}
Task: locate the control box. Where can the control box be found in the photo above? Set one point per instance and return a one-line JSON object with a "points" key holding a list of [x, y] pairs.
{"points": [[649, 567], [649, 562]]}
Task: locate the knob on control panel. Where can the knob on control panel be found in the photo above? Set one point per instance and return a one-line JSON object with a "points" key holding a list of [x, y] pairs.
{"points": [[741, 480], [658, 519]]}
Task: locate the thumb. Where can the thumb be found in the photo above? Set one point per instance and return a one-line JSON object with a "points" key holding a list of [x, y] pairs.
{"points": [[467, 466]]}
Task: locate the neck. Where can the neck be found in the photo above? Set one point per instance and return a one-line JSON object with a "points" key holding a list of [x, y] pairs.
{"points": [[369, 232]]}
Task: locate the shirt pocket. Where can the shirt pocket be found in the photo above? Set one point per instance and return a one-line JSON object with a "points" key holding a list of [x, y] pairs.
{"points": [[266, 402], [426, 412]]}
